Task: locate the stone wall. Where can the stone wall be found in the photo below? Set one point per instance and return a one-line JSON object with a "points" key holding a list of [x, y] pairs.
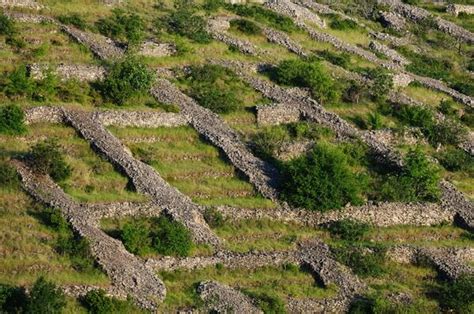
{"points": [[44, 114], [218, 27], [141, 119], [393, 20], [128, 274], [401, 80], [282, 39], [79, 72], [219, 298], [390, 53], [275, 114], [455, 9], [154, 49], [27, 4], [299, 13]]}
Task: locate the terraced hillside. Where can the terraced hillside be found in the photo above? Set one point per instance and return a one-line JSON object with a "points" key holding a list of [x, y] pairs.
{"points": [[280, 156]]}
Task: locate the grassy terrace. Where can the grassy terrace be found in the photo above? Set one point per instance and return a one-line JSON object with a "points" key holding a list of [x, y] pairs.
{"points": [[287, 281], [193, 166]]}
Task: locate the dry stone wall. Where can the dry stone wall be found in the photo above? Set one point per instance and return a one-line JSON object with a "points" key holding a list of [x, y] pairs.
{"points": [[299, 13], [141, 119], [390, 53], [393, 20], [218, 27], [128, 274], [284, 40], [27, 4], [145, 179], [79, 72], [220, 298], [455, 9], [154, 49], [263, 175]]}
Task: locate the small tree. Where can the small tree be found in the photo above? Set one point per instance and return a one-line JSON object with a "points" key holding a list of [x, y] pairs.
{"points": [[123, 26], [12, 120], [126, 78], [171, 237], [185, 22], [45, 297], [47, 158], [323, 180]]}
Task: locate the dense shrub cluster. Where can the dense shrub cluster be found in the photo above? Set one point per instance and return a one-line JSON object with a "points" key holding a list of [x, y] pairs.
{"points": [[457, 296], [7, 27], [126, 78], [185, 22], [322, 180], [348, 230], [123, 26], [97, 302], [73, 19], [382, 83], [455, 159], [161, 235], [43, 297], [262, 14], [417, 181], [246, 26], [12, 120], [213, 87], [8, 175], [47, 158], [364, 261], [308, 74]]}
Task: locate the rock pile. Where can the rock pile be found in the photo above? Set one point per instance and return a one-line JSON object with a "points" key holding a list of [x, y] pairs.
{"points": [[79, 72], [221, 298]]}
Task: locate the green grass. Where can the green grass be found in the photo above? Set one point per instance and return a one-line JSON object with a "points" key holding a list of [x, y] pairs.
{"points": [[193, 166], [290, 282]]}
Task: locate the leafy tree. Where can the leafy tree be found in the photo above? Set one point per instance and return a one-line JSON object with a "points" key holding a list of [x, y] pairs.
{"points": [[45, 297], [458, 295], [126, 78], [12, 120], [307, 74], [347, 229], [136, 237], [185, 22], [417, 181], [342, 24], [124, 26], [322, 180], [266, 142], [47, 158], [171, 237], [213, 5]]}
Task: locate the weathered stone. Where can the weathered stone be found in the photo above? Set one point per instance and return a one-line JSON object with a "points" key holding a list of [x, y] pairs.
{"points": [[79, 72], [28, 4], [393, 20], [153, 49], [218, 27], [390, 53], [295, 11], [275, 114], [455, 9], [401, 80]]}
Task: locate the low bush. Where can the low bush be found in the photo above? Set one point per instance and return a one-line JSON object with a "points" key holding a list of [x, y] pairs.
{"points": [[341, 59], [213, 87], [47, 158], [364, 261], [213, 5], [428, 66], [356, 92], [12, 120], [417, 181], [7, 27], [97, 302], [45, 297], [455, 159], [12, 299], [447, 107], [322, 180], [125, 79], [382, 83], [185, 22], [171, 237], [268, 302], [268, 140], [246, 26], [264, 15], [123, 26], [458, 295], [342, 24], [446, 132], [8, 175], [214, 218], [306, 74], [73, 19], [464, 87], [348, 230], [136, 238]]}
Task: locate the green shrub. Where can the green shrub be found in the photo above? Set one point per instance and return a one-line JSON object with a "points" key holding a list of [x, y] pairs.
{"points": [[97, 302], [268, 140], [382, 83], [428, 66], [45, 297], [374, 121], [213, 5], [213, 87], [12, 299], [214, 218], [365, 262], [348, 230], [12, 120], [416, 116], [355, 92], [8, 175], [77, 249], [185, 22], [171, 237], [73, 19], [341, 59], [446, 132], [464, 87], [126, 78], [447, 107], [7, 27], [128, 27], [47, 158], [458, 295], [135, 236], [322, 180], [455, 159], [246, 26], [417, 181], [268, 302], [262, 14], [342, 24], [306, 74]]}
